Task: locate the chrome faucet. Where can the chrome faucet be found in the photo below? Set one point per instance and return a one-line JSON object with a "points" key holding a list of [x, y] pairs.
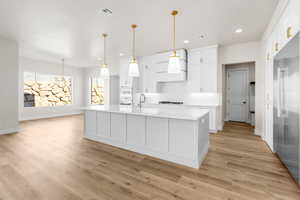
{"points": [[142, 100]]}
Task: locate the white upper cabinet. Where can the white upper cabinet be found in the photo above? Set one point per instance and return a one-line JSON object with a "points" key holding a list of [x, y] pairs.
{"points": [[199, 70], [149, 81], [202, 69], [125, 80]]}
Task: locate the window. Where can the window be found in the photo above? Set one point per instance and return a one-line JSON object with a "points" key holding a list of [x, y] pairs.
{"points": [[46, 90], [97, 91]]}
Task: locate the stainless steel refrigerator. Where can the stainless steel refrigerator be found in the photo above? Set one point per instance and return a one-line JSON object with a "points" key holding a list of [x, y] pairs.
{"points": [[286, 106]]}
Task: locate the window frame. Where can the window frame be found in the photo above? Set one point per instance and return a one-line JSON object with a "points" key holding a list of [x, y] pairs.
{"points": [[90, 91], [49, 74]]}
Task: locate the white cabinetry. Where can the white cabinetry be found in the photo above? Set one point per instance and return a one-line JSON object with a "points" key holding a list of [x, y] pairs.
{"points": [[118, 127], [124, 78], [289, 20], [202, 69], [148, 75], [182, 146], [183, 141], [199, 69], [136, 133], [90, 124], [103, 124], [157, 134]]}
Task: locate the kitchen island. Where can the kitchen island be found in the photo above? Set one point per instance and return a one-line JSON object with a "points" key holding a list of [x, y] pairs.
{"points": [[176, 135]]}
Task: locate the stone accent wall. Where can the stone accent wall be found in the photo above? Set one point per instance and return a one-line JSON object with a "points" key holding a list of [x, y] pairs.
{"points": [[50, 93], [97, 94]]}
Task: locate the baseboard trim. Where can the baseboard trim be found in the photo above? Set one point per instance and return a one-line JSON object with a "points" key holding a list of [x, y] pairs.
{"points": [[9, 131], [257, 132], [43, 116]]}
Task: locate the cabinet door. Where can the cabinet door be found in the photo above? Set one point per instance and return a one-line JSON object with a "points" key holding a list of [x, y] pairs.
{"points": [[118, 127], [149, 79], [157, 134], [202, 70], [208, 72], [136, 133], [182, 138], [90, 122], [103, 124]]}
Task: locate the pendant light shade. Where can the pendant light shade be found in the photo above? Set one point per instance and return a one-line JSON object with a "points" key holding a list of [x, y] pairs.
{"points": [[174, 65], [104, 72], [104, 68], [133, 70], [174, 60]]}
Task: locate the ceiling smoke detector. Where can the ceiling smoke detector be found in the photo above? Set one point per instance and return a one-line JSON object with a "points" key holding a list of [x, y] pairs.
{"points": [[106, 11]]}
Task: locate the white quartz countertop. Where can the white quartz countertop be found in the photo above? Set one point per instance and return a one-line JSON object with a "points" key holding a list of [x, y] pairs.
{"points": [[174, 113]]}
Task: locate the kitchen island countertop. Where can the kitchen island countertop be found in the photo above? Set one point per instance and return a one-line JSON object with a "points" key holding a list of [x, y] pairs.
{"points": [[178, 113]]}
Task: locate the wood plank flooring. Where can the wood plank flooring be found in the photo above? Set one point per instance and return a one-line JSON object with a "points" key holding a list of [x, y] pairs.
{"points": [[49, 159]]}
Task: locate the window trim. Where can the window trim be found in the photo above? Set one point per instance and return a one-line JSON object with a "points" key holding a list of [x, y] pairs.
{"points": [[41, 107]]}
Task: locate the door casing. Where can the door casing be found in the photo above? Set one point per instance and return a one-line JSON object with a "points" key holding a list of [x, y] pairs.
{"points": [[228, 71]]}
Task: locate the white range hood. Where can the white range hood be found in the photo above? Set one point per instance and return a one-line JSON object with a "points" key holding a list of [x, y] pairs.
{"points": [[161, 62]]}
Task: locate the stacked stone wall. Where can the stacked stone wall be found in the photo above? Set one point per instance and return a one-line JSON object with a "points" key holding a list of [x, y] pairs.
{"points": [[49, 93]]}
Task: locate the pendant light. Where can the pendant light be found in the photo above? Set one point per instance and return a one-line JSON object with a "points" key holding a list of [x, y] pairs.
{"points": [[63, 69], [174, 61], [133, 65], [104, 69]]}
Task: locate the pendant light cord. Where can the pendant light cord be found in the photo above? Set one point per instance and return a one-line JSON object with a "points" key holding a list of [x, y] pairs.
{"points": [[133, 26], [104, 49], [174, 36], [63, 68], [133, 44]]}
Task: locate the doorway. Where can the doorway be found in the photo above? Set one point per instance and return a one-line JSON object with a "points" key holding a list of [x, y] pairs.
{"points": [[240, 92]]}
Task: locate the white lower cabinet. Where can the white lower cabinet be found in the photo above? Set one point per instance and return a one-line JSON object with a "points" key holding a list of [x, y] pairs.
{"points": [[118, 127], [175, 140], [182, 138], [136, 133], [90, 124], [157, 134], [103, 124]]}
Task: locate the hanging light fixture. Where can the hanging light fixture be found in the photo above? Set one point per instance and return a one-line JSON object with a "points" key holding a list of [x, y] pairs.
{"points": [[133, 65], [174, 61], [104, 69], [63, 69]]}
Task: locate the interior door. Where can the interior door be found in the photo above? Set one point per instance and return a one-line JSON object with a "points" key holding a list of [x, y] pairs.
{"points": [[237, 90]]}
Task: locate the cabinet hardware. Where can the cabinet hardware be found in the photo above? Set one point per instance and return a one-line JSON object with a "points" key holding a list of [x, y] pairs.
{"points": [[289, 32], [268, 56]]}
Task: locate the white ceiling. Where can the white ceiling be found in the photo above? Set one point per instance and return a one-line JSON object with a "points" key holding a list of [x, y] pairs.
{"points": [[52, 29]]}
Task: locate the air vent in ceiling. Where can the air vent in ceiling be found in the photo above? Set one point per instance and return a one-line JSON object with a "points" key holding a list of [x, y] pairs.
{"points": [[106, 11]]}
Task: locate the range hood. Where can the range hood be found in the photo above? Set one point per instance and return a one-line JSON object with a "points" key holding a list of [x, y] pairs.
{"points": [[161, 62]]}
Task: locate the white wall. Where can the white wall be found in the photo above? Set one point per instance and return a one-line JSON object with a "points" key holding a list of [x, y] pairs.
{"points": [[30, 65], [9, 70], [241, 53]]}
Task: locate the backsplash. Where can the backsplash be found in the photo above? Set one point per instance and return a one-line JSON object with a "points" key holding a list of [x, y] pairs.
{"points": [[188, 99]]}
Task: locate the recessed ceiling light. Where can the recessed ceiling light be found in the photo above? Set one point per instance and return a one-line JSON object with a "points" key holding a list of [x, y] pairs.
{"points": [[121, 54], [239, 30], [186, 41], [106, 11]]}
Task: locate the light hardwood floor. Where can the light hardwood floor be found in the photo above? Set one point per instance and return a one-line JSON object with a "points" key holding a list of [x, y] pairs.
{"points": [[49, 159]]}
